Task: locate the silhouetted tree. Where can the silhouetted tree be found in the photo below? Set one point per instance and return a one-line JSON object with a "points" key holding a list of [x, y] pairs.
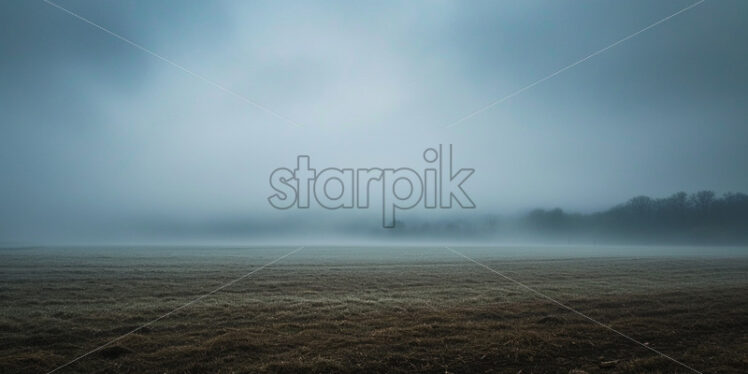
{"points": [[697, 217]]}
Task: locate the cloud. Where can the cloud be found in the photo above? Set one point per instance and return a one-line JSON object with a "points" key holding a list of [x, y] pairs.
{"points": [[96, 133]]}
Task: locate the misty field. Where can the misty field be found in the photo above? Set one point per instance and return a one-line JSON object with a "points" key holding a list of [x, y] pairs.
{"points": [[352, 309]]}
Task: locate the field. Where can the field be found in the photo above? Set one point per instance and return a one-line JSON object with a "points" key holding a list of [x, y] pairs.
{"points": [[349, 309]]}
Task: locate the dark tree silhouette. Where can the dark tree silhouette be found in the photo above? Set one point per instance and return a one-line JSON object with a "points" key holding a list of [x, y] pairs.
{"points": [[699, 217]]}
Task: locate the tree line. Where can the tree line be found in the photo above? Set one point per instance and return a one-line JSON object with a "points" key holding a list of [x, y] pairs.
{"points": [[698, 217]]}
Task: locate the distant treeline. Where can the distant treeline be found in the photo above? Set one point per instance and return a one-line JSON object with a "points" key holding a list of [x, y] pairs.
{"points": [[700, 217]]}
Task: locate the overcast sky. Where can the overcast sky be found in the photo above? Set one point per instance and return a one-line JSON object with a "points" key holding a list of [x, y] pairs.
{"points": [[96, 135]]}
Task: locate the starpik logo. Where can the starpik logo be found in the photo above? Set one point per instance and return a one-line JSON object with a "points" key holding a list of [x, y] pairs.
{"points": [[437, 187]]}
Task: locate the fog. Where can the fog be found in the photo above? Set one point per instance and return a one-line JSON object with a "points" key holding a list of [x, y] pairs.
{"points": [[102, 142]]}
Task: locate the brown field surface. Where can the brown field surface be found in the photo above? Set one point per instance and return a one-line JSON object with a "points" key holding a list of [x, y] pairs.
{"points": [[356, 309]]}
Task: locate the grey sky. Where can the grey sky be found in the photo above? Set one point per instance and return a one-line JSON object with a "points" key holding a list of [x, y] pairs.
{"points": [[95, 133]]}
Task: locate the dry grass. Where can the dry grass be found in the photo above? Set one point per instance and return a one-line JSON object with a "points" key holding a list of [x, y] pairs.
{"points": [[367, 310]]}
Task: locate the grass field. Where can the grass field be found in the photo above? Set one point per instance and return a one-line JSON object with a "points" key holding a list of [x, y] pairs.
{"points": [[368, 309]]}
